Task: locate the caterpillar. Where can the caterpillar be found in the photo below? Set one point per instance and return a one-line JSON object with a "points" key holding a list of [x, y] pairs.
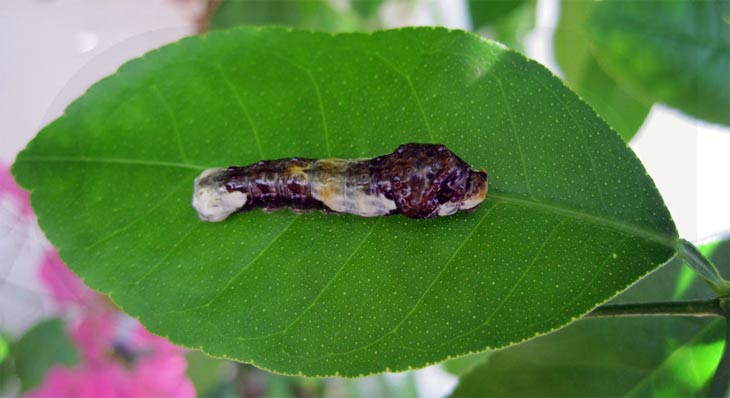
{"points": [[416, 180]]}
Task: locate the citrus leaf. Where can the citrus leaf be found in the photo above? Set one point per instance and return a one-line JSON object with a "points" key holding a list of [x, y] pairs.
{"points": [[571, 217], [673, 51], [623, 110], [614, 357]]}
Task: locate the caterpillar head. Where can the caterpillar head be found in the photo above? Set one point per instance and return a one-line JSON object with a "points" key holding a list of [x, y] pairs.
{"points": [[212, 200], [469, 197], [476, 190]]}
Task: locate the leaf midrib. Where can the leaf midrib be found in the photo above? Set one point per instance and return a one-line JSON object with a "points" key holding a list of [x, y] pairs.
{"points": [[666, 240], [654, 236]]}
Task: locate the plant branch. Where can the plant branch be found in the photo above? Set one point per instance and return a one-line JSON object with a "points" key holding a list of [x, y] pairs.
{"points": [[720, 386], [698, 308]]}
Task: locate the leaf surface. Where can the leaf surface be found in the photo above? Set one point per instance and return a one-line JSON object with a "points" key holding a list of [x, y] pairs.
{"points": [[614, 357], [570, 220], [673, 51]]}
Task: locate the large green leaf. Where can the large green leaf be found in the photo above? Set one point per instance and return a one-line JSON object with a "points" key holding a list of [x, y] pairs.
{"points": [[614, 357], [571, 218], [671, 51], [622, 109]]}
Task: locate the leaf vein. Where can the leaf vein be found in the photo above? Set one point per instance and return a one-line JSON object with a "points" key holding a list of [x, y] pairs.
{"points": [[317, 92], [654, 236], [596, 182], [243, 108], [420, 299], [173, 120], [168, 254], [122, 161], [149, 210], [240, 272], [523, 162], [321, 292], [413, 91]]}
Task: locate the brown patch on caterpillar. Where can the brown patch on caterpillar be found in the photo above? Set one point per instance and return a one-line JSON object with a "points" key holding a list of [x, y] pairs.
{"points": [[417, 180]]}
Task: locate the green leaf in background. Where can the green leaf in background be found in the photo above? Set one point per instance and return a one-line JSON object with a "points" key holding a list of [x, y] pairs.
{"points": [[719, 255], [671, 51], [278, 386], [6, 363], [487, 12], [613, 357], [43, 346], [309, 14], [4, 348], [507, 21], [622, 110], [208, 375], [571, 218], [462, 365], [367, 8]]}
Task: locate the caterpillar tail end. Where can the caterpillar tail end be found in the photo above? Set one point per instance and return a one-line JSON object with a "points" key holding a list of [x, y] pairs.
{"points": [[211, 198]]}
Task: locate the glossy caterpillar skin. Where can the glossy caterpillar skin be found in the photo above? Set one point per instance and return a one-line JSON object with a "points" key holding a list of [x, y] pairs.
{"points": [[417, 180]]}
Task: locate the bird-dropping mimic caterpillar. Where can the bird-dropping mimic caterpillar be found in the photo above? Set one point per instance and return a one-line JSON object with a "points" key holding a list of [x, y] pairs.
{"points": [[417, 180]]}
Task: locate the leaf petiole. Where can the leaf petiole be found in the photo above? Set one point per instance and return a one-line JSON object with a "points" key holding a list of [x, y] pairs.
{"points": [[697, 308], [704, 268]]}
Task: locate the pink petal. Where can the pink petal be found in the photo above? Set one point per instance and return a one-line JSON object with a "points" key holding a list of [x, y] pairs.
{"points": [[65, 287], [95, 336], [163, 377], [105, 381], [8, 188]]}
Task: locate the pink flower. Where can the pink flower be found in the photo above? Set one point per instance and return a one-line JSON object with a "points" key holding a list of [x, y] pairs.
{"points": [[66, 287], [120, 359], [9, 189], [95, 335], [162, 376], [96, 382]]}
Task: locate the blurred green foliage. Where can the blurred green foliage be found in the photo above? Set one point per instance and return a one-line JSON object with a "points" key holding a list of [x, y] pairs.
{"points": [[306, 14], [622, 56], [623, 110], [507, 21], [675, 52], [460, 366], [43, 346]]}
